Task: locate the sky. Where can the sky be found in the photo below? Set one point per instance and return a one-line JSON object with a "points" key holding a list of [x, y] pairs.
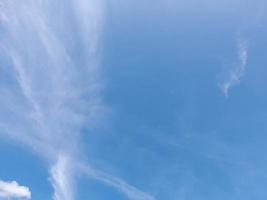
{"points": [[133, 100]]}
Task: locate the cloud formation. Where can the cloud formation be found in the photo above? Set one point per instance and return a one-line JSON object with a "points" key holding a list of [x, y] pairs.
{"points": [[234, 75], [12, 190], [52, 86]]}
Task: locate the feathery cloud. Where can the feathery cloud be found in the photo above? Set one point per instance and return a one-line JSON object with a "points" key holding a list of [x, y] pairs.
{"points": [[62, 180], [52, 92], [234, 75], [129, 191]]}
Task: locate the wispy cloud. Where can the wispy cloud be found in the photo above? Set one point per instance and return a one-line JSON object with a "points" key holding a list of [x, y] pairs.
{"points": [[129, 191], [235, 74], [52, 87], [13, 190], [62, 180]]}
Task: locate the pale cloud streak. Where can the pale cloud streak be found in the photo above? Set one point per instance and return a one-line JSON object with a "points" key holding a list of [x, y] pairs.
{"points": [[129, 191], [12, 190], [235, 74]]}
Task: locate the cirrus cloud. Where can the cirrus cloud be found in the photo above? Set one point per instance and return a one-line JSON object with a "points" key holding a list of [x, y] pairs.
{"points": [[53, 88], [235, 74]]}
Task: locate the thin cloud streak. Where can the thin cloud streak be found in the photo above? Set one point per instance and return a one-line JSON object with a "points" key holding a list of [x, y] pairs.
{"points": [[13, 190], [129, 191], [235, 74]]}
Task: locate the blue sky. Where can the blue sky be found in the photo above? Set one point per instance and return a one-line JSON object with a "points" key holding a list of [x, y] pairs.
{"points": [[117, 100]]}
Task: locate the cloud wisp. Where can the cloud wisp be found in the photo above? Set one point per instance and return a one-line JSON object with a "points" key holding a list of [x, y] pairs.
{"points": [[51, 86], [235, 74], [129, 191], [12, 190]]}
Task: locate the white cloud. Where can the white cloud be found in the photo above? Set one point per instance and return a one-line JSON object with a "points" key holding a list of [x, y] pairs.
{"points": [[12, 190], [53, 88], [235, 74]]}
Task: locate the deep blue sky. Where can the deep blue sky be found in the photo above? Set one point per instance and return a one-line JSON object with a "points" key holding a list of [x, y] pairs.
{"points": [[168, 126]]}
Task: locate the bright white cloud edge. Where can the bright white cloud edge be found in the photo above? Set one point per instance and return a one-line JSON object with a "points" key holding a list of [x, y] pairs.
{"points": [[12, 190]]}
